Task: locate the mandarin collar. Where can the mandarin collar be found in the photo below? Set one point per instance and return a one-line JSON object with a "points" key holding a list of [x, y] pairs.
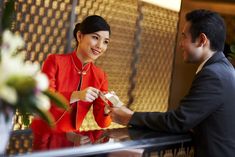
{"points": [[78, 64]]}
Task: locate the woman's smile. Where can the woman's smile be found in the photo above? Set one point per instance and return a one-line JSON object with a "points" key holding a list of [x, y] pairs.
{"points": [[95, 52]]}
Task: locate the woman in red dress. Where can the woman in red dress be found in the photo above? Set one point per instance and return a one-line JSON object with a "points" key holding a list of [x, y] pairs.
{"points": [[78, 79]]}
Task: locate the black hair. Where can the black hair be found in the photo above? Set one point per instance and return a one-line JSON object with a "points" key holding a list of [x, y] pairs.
{"points": [[211, 24], [91, 24]]}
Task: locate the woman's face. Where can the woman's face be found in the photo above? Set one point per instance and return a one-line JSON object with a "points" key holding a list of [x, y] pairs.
{"points": [[92, 45]]}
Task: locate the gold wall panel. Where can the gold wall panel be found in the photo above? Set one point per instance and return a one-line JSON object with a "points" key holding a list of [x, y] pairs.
{"points": [[43, 25], [159, 28], [20, 142]]}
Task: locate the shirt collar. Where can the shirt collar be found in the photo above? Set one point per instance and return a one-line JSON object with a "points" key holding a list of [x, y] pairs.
{"points": [[201, 65]]}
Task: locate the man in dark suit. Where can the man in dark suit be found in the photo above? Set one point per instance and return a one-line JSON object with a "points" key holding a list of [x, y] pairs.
{"points": [[208, 110]]}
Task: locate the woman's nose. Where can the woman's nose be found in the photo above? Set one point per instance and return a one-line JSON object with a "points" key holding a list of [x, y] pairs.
{"points": [[99, 45]]}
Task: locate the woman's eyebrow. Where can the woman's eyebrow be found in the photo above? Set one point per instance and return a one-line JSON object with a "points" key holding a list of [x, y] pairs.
{"points": [[99, 36]]}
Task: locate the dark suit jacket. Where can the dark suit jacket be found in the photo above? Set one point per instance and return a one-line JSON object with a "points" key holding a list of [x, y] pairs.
{"points": [[208, 109]]}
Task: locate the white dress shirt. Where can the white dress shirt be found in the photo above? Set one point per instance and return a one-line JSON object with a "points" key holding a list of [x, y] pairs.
{"points": [[201, 65]]}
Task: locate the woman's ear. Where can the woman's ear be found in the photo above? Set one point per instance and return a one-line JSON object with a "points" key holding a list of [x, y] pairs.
{"points": [[79, 36]]}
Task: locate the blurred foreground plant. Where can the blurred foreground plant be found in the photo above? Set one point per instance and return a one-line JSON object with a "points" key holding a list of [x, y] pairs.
{"points": [[22, 86]]}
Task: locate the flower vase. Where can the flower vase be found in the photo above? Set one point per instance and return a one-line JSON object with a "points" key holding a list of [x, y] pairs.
{"points": [[6, 124]]}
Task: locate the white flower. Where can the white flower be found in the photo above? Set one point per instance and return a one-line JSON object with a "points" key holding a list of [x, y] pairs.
{"points": [[20, 78], [11, 42], [30, 68], [8, 94], [12, 66], [43, 102], [42, 81]]}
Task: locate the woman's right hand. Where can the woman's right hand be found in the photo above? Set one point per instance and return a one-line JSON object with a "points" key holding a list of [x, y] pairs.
{"points": [[88, 95]]}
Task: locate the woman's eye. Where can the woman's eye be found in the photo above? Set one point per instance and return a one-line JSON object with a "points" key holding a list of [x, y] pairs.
{"points": [[106, 42]]}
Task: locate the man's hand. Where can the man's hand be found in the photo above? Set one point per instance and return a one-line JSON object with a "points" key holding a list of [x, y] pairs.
{"points": [[118, 134], [120, 115]]}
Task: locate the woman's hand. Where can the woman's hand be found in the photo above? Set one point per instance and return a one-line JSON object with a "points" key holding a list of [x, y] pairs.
{"points": [[88, 95]]}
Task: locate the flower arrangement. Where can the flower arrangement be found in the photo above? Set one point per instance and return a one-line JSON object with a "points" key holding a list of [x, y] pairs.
{"points": [[22, 86]]}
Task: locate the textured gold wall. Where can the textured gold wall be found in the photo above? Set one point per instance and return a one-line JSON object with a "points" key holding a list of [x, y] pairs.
{"points": [[156, 59], [45, 26]]}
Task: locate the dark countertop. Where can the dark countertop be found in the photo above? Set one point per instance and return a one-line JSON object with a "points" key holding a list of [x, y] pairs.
{"points": [[105, 141]]}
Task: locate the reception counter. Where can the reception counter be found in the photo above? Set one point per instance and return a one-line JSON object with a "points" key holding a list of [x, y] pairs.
{"points": [[110, 142]]}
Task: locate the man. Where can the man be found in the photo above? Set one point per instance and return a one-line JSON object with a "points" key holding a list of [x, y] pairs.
{"points": [[208, 110]]}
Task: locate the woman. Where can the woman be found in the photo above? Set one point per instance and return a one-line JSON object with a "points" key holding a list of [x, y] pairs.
{"points": [[75, 76]]}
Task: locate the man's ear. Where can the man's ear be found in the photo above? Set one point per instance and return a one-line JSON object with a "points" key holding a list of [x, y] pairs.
{"points": [[79, 36], [202, 40]]}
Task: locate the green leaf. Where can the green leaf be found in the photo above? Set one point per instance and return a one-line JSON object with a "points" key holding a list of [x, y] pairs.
{"points": [[25, 119], [44, 115], [232, 48], [57, 98], [24, 85], [27, 105], [232, 55]]}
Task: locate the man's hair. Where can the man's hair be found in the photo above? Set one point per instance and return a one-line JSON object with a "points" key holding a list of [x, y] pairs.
{"points": [[211, 24]]}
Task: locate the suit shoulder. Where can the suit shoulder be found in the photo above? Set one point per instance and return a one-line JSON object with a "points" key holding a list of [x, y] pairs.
{"points": [[221, 70]]}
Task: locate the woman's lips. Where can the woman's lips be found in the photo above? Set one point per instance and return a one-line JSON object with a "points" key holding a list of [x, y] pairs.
{"points": [[95, 52]]}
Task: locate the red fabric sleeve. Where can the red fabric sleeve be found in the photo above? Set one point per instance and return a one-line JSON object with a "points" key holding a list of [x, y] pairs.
{"points": [[50, 68]]}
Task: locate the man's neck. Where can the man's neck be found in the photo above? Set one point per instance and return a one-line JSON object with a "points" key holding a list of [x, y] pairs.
{"points": [[206, 56], [204, 59]]}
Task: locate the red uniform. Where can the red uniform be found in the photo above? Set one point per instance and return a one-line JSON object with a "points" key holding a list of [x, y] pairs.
{"points": [[67, 74]]}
